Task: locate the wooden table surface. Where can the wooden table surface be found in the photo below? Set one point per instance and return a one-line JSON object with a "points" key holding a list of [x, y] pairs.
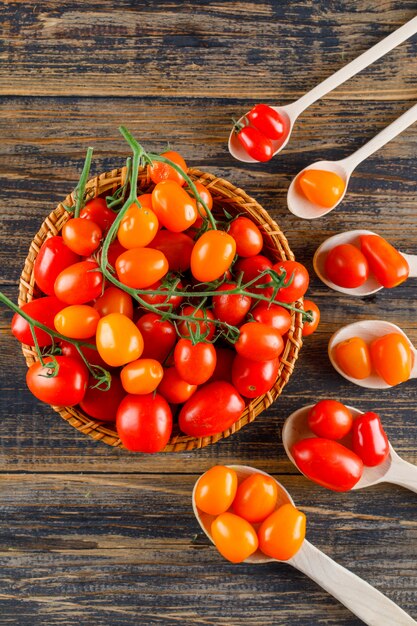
{"points": [[92, 535]]}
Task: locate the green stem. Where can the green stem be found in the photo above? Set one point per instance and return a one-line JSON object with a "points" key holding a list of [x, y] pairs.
{"points": [[79, 191]]}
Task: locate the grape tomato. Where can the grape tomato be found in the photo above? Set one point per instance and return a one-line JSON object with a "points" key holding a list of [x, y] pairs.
{"points": [[330, 419], [282, 534], [234, 537], [353, 358], [346, 266], [321, 187], [388, 265], [256, 498], [392, 358], [216, 489], [268, 121]]}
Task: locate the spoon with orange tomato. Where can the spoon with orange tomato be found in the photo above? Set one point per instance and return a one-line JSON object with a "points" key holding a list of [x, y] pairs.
{"points": [[321, 187], [369, 604]]}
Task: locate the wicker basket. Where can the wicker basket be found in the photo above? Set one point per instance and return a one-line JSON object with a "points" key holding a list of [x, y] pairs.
{"points": [[224, 195]]}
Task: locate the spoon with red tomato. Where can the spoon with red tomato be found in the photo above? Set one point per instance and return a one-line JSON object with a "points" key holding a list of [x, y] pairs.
{"points": [[321, 187], [382, 341], [288, 114], [369, 604], [363, 258], [392, 470]]}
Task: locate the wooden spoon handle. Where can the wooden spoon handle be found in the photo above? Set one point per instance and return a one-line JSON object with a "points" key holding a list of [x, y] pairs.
{"points": [[412, 262], [369, 604], [402, 473]]}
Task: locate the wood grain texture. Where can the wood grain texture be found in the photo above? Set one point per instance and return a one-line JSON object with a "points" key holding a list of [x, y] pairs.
{"points": [[94, 535]]}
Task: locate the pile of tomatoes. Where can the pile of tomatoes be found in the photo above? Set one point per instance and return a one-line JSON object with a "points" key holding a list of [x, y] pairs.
{"points": [[144, 328], [259, 130]]}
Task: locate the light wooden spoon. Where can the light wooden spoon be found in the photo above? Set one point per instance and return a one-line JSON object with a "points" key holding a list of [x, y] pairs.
{"points": [[368, 330], [300, 206], [369, 604], [393, 470], [352, 237], [290, 112]]}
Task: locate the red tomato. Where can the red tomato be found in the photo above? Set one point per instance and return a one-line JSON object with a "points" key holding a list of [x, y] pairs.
{"points": [[310, 327], [369, 440], [256, 498], [224, 362], [330, 419], [96, 210], [42, 310], [328, 463], [346, 266], [163, 302], [387, 264], [138, 227], [392, 358], [79, 283], [81, 236], [160, 171], [159, 336], [119, 341], [114, 300], [67, 388], [54, 257], [103, 405], [195, 363], [177, 248], [259, 342], [273, 315], [144, 423], [212, 255], [78, 321], [215, 490], [298, 278], [173, 388], [141, 376], [254, 378], [140, 268], [212, 409], [282, 534], [250, 268], [268, 121], [174, 208], [247, 235], [353, 358], [206, 328], [255, 143], [115, 250], [231, 309], [234, 537], [91, 354]]}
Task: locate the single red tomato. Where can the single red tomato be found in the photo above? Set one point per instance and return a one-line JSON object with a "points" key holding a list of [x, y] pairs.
{"points": [[160, 171], [42, 310], [206, 328], [254, 378], [215, 490], [81, 236], [115, 250], [195, 363], [97, 211], [388, 265], [212, 409], [328, 463], [255, 143], [140, 268], [91, 354], [250, 268], [247, 235], [66, 388], [79, 283], [259, 342], [273, 315], [330, 419], [268, 121], [392, 358], [114, 300], [369, 440], [177, 248], [296, 281], [346, 266], [282, 534], [230, 308], [164, 302], [144, 422], [53, 257], [100, 404], [212, 255], [310, 327], [173, 206], [234, 537], [173, 388], [224, 362], [159, 336], [78, 321], [256, 498]]}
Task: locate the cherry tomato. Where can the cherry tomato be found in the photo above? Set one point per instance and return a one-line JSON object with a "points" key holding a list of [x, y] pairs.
{"points": [[144, 423], [159, 336], [297, 281], [310, 327], [78, 321], [119, 341], [195, 363], [224, 362], [247, 235], [346, 266], [114, 300], [97, 211], [81, 236], [207, 198], [231, 309], [140, 268], [330, 419], [328, 463], [66, 388], [255, 143], [369, 440], [164, 302], [234, 537], [215, 490], [282, 534], [174, 208], [100, 404], [212, 409], [160, 171], [212, 255], [254, 378], [251, 267], [273, 315], [115, 250], [387, 264], [268, 121], [145, 200], [54, 256], [392, 358], [138, 227], [256, 498], [141, 376], [79, 283], [42, 310], [177, 248], [206, 328], [91, 354], [353, 358], [259, 342], [321, 187], [173, 388]]}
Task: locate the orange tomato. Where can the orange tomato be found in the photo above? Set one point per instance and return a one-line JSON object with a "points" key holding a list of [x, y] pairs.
{"points": [[114, 300], [141, 376], [81, 236], [353, 358], [256, 498], [234, 537], [174, 208], [119, 340], [173, 388], [138, 227], [212, 255], [78, 321], [282, 533], [140, 268], [207, 198], [310, 327], [321, 187], [392, 358], [216, 489], [159, 171], [145, 200]]}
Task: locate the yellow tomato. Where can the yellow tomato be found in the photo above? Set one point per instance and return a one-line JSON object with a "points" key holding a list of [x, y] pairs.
{"points": [[119, 340], [321, 187]]}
